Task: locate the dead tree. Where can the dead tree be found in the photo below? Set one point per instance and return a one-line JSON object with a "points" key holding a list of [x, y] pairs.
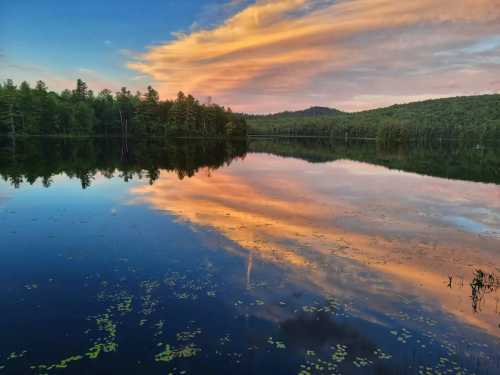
{"points": [[124, 129]]}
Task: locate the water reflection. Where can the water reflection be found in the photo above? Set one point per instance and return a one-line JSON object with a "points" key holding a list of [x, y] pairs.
{"points": [[447, 160], [25, 160], [44, 158], [303, 216], [228, 257], [481, 285]]}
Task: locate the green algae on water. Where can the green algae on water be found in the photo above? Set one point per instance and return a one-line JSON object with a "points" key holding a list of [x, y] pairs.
{"points": [[170, 353], [277, 344]]}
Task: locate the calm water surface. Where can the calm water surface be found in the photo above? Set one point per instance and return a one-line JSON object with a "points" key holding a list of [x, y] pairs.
{"points": [[268, 257]]}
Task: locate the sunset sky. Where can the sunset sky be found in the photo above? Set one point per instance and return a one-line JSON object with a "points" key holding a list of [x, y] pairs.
{"points": [[259, 56]]}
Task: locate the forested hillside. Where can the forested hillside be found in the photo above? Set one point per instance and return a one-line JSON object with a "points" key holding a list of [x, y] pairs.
{"points": [[38, 111], [309, 112], [473, 118]]}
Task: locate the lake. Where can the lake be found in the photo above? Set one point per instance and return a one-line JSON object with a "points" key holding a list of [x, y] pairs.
{"points": [[264, 256]]}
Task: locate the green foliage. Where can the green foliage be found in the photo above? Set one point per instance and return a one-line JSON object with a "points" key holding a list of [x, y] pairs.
{"points": [[38, 111], [472, 119], [9, 102], [391, 131]]}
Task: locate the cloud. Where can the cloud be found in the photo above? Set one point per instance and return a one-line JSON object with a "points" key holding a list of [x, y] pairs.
{"points": [[31, 73], [85, 71], [288, 53], [126, 52], [60, 80]]}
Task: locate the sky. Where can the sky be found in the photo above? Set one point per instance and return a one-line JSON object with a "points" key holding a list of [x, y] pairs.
{"points": [[259, 56]]}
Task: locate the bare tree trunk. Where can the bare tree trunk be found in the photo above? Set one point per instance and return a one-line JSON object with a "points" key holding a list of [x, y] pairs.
{"points": [[123, 149], [126, 135], [124, 125], [121, 128], [14, 148], [121, 121], [12, 124]]}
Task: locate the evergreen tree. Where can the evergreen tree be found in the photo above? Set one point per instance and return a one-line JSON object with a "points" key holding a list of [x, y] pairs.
{"points": [[8, 108], [190, 115], [37, 110], [81, 91], [149, 111], [104, 108], [84, 118]]}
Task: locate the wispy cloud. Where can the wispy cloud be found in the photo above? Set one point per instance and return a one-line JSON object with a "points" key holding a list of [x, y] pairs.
{"points": [[276, 54], [58, 80]]}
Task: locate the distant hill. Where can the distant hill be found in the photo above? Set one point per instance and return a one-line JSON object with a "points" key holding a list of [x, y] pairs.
{"points": [[309, 112], [468, 118]]}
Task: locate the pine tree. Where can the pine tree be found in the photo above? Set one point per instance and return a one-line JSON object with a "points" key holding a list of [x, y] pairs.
{"points": [[8, 104], [190, 116], [81, 91]]}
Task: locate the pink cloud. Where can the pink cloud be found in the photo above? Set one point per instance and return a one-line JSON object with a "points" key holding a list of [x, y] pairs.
{"points": [[290, 53]]}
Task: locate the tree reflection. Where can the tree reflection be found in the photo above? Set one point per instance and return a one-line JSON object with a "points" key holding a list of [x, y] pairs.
{"points": [[35, 158], [447, 160], [84, 158], [483, 283]]}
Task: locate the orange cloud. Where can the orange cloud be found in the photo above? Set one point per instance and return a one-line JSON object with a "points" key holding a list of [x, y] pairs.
{"points": [[303, 50]]}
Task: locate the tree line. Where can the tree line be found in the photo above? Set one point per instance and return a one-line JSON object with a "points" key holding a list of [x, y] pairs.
{"points": [[26, 110], [468, 119]]}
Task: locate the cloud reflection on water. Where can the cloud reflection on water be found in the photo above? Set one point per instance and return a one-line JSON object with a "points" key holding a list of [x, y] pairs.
{"points": [[308, 216]]}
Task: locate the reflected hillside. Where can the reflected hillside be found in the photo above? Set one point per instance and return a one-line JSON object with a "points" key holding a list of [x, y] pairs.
{"points": [[448, 160], [26, 160]]}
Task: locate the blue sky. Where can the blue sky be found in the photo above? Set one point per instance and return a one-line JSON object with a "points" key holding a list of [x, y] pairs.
{"points": [[94, 37], [259, 55]]}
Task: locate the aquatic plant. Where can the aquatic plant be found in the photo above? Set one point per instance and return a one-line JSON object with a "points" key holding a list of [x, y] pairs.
{"points": [[277, 344], [402, 336], [169, 353], [15, 355], [381, 355], [64, 363], [482, 283], [188, 335], [166, 355]]}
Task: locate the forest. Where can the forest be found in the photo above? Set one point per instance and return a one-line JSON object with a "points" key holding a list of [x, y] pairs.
{"points": [[468, 119], [26, 110]]}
